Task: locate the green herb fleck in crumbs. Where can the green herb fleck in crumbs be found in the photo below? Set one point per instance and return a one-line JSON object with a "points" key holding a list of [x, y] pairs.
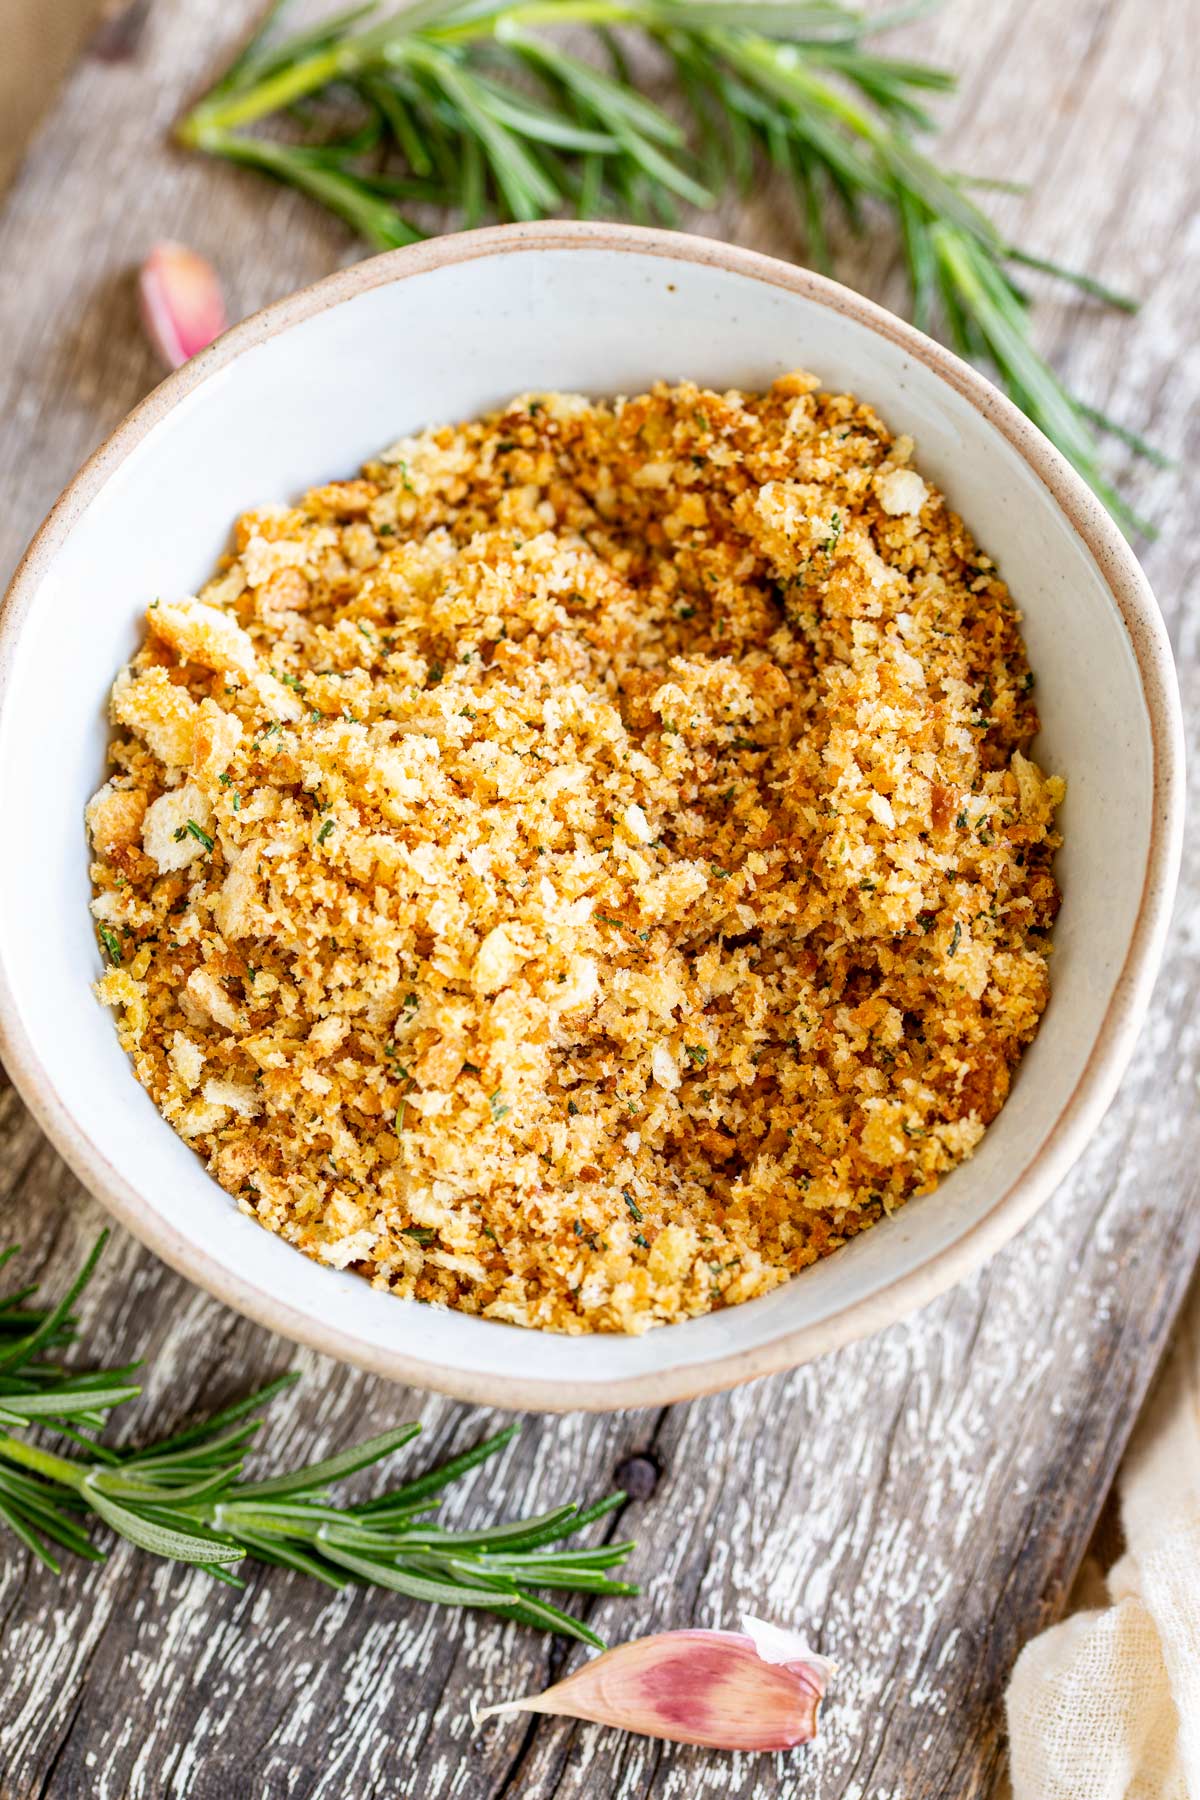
{"points": [[325, 830], [201, 836], [697, 1054], [498, 1108], [635, 1210], [108, 939], [420, 1234]]}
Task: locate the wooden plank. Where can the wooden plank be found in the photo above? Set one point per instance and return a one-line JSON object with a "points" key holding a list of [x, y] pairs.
{"points": [[921, 1500], [40, 45]]}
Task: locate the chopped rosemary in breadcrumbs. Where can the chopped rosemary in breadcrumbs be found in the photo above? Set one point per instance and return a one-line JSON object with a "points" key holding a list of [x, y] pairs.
{"points": [[588, 867]]}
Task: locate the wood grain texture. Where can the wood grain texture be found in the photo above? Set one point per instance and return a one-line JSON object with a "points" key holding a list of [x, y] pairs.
{"points": [[921, 1500]]}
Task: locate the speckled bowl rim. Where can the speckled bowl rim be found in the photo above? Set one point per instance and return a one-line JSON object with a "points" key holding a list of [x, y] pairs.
{"points": [[1114, 1042]]}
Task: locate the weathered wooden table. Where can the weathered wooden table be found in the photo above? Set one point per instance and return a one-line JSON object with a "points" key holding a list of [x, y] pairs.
{"points": [[921, 1500]]}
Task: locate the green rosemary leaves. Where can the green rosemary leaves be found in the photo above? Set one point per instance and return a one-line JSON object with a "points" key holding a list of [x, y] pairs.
{"points": [[184, 1497], [478, 111]]}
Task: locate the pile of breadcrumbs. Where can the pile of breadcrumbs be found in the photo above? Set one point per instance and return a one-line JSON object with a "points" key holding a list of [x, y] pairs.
{"points": [[587, 868]]}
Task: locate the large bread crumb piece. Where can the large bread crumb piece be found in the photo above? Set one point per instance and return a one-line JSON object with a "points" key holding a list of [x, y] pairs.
{"points": [[175, 828]]}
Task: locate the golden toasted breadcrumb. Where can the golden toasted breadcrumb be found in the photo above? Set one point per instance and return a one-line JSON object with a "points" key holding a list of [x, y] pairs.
{"points": [[588, 867]]}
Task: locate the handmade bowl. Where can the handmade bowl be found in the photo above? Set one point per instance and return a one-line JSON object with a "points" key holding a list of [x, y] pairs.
{"points": [[304, 391]]}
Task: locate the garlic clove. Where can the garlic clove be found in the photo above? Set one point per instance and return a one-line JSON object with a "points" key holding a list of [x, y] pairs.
{"points": [[779, 1644], [180, 300], [727, 1690]]}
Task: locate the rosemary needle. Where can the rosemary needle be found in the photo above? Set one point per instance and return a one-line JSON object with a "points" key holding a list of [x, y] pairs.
{"points": [[184, 1497], [479, 110]]}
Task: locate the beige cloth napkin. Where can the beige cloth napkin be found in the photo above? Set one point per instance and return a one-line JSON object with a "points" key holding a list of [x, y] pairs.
{"points": [[1106, 1706]]}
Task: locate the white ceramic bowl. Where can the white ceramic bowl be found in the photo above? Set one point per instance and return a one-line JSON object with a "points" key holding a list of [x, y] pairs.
{"points": [[301, 394]]}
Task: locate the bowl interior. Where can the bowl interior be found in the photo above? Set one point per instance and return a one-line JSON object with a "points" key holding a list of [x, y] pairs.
{"points": [[307, 402]]}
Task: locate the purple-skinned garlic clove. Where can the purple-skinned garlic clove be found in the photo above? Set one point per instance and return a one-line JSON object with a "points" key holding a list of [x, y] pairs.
{"points": [[758, 1689], [181, 303]]}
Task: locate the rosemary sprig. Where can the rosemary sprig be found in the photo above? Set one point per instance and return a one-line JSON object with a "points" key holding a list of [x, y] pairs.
{"points": [[184, 1497], [472, 107]]}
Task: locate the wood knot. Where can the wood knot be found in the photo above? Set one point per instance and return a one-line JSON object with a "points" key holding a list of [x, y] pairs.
{"points": [[638, 1475]]}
